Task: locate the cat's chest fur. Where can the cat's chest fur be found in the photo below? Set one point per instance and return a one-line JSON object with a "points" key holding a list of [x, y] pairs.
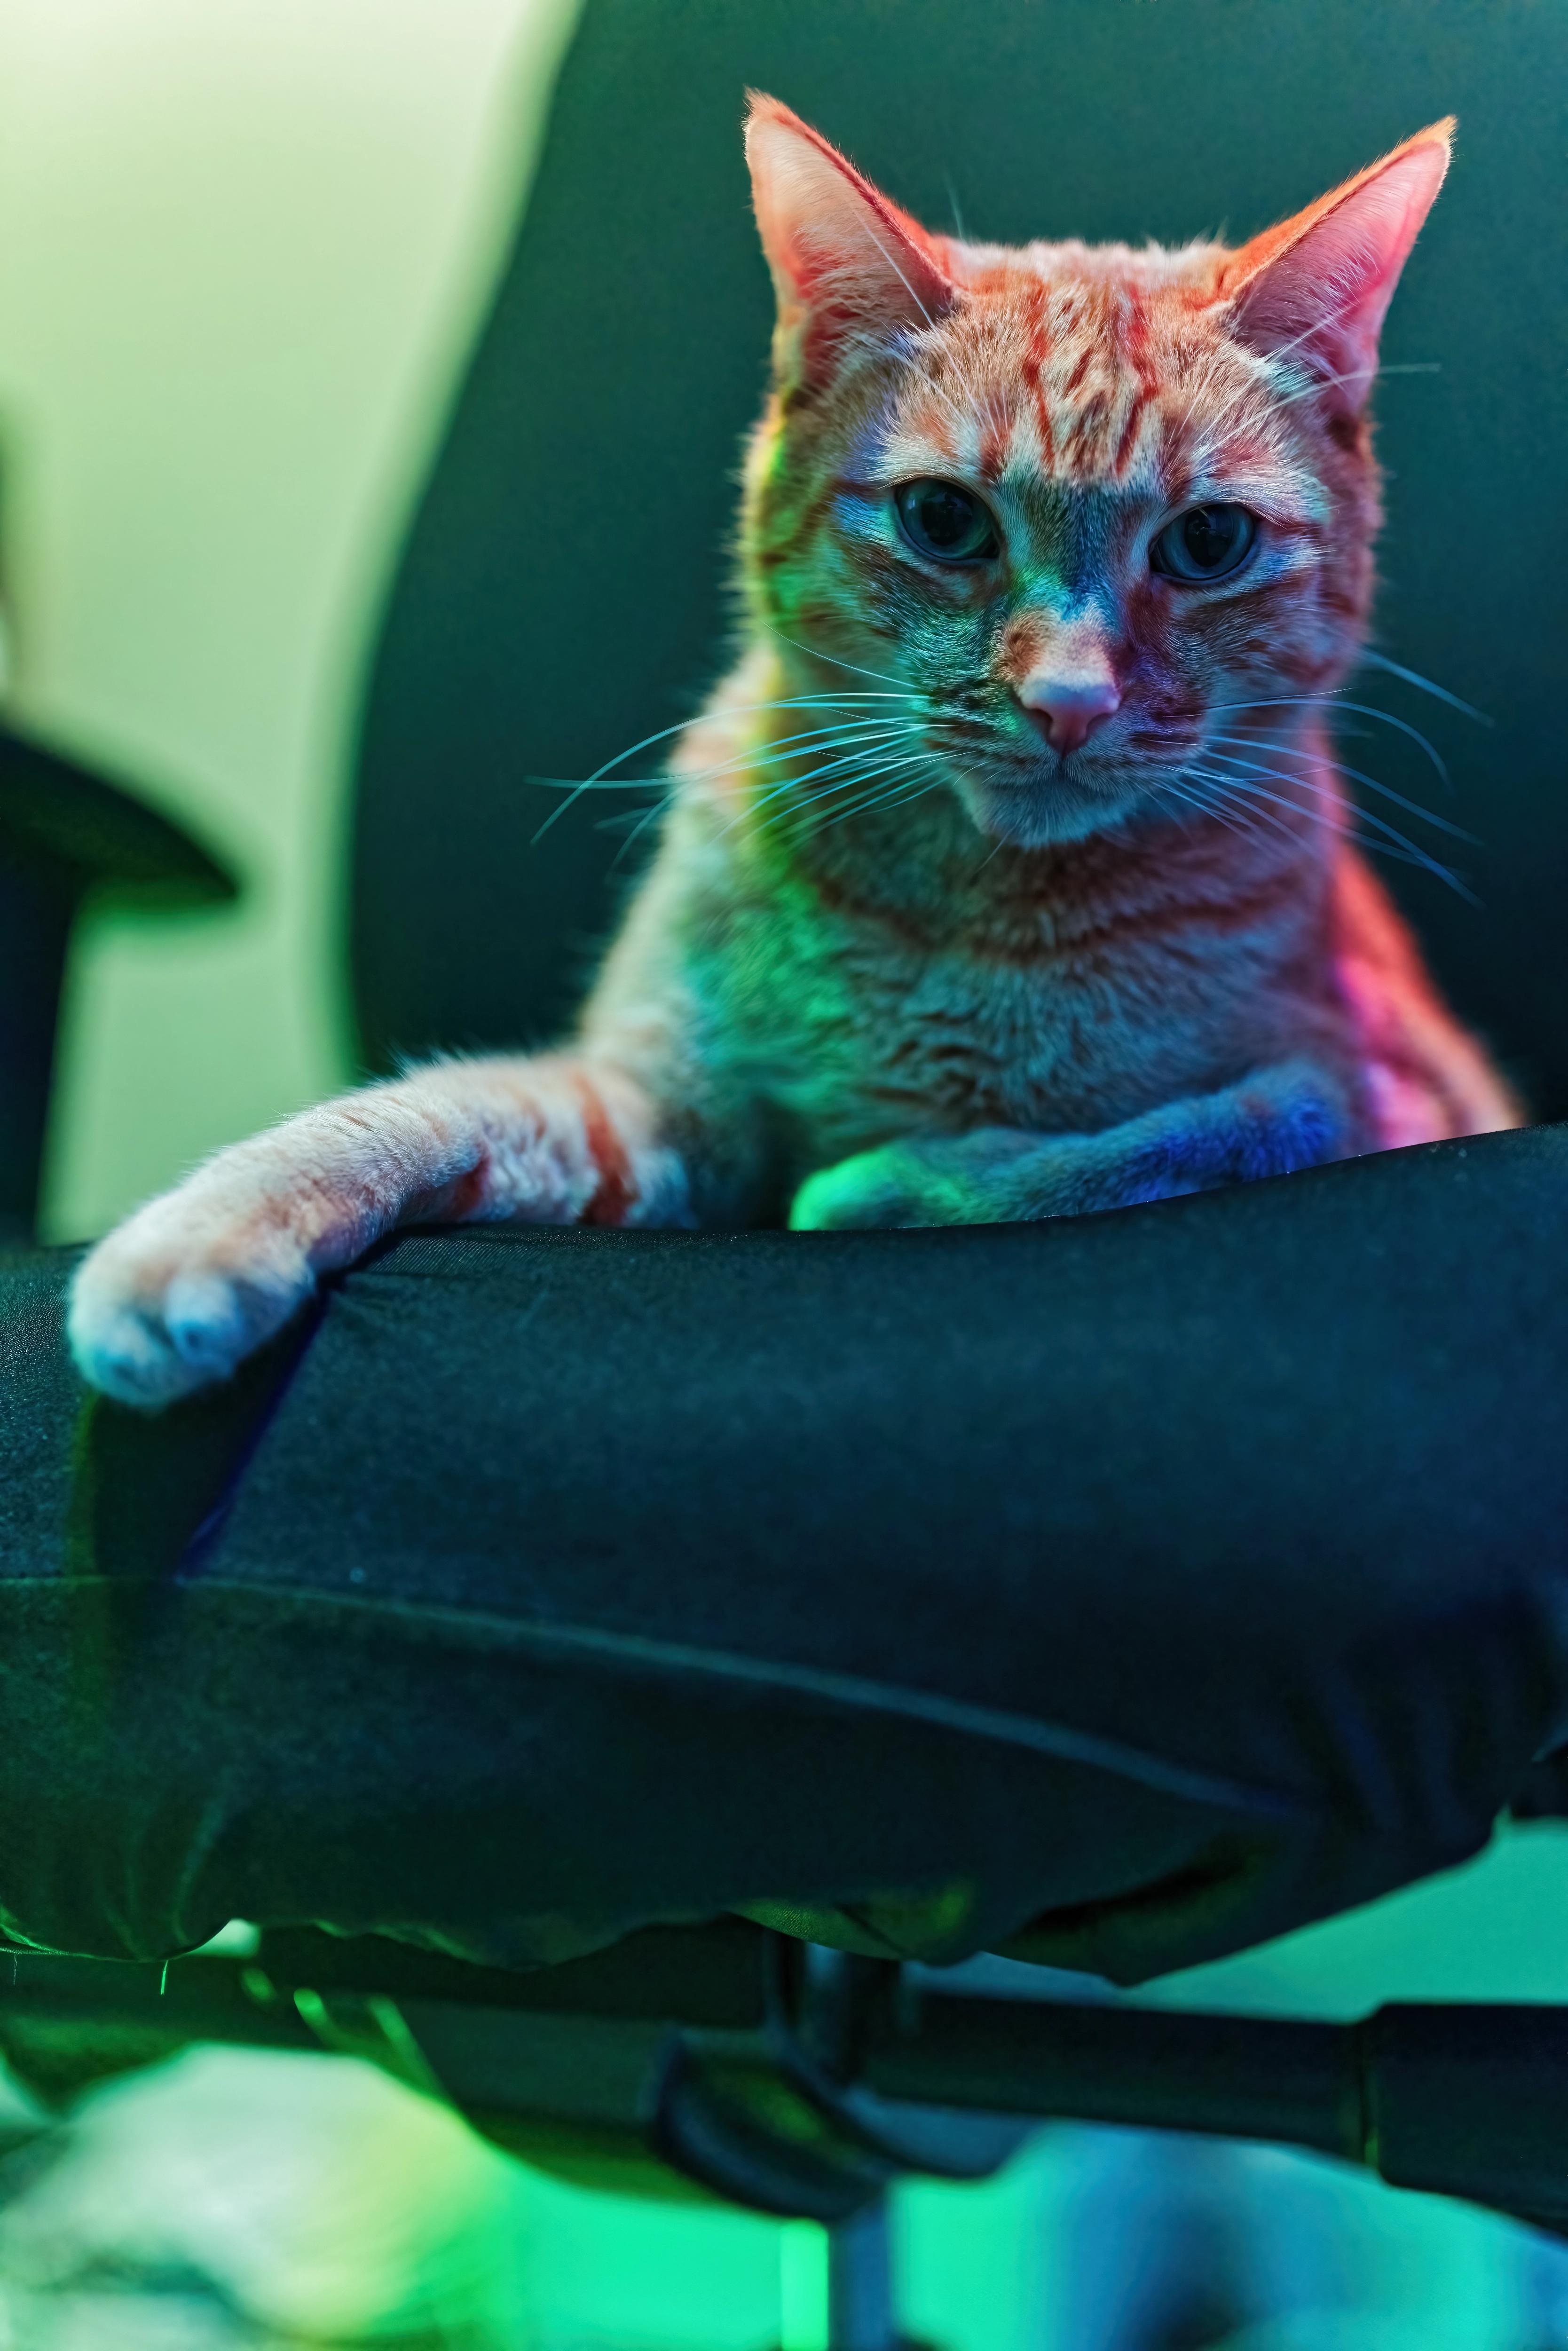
{"points": [[861, 1021]]}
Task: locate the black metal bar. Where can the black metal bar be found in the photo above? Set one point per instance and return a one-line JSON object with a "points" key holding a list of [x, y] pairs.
{"points": [[1461, 2100], [35, 924], [707, 1977], [1472, 2102], [1239, 2076]]}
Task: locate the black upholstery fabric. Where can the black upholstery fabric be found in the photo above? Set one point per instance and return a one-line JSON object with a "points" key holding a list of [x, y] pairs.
{"points": [[561, 595], [1138, 1586]]}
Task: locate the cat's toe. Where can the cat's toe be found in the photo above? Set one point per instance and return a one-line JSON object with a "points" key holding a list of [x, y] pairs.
{"points": [[871, 1191], [149, 1333], [126, 1354]]}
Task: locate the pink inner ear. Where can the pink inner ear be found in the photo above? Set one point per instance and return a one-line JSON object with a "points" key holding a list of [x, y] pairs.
{"points": [[1322, 283], [843, 257]]}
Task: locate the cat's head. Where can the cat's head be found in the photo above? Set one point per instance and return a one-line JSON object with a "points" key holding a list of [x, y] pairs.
{"points": [[1091, 506]]}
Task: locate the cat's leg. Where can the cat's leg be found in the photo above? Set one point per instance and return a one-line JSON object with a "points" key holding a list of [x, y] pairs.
{"points": [[1295, 1115], [194, 1281]]}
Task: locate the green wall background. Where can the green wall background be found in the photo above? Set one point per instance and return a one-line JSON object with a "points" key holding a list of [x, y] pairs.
{"points": [[244, 251]]}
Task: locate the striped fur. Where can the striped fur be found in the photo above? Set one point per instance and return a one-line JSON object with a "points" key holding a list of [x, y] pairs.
{"points": [[916, 947]]}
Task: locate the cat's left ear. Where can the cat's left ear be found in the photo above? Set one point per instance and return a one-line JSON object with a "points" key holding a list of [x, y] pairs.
{"points": [[1317, 286]]}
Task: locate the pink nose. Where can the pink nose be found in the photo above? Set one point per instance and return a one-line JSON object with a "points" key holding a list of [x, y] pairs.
{"points": [[1068, 709]]}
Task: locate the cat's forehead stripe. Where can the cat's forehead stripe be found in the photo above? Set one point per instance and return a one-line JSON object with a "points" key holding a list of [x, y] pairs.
{"points": [[1089, 385], [1062, 379], [1080, 418]]}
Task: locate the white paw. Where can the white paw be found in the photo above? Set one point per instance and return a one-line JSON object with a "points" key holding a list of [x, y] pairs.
{"points": [[181, 1293]]}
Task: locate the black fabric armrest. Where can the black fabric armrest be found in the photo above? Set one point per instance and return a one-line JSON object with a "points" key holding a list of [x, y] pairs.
{"points": [[1121, 1591]]}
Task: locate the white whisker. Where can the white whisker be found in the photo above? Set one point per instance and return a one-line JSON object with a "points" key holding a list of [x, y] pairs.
{"points": [[1357, 375], [1359, 776], [806, 818], [899, 796], [909, 693], [1413, 677], [853, 730], [931, 384], [1333, 702], [791, 702], [1172, 788], [1334, 821], [1238, 796], [804, 790], [664, 785]]}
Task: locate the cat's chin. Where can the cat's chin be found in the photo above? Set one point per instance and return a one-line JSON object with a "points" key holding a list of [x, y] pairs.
{"points": [[1041, 815]]}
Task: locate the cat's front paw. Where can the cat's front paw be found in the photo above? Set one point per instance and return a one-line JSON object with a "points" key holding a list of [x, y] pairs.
{"points": [[980, 1178], [875, 1190], [180, 1294]]}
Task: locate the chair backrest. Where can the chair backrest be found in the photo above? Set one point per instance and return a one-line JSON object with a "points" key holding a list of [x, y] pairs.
{"points": [[562, 593]]}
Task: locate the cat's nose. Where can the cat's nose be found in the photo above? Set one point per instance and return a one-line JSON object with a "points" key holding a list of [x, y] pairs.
{"points": [[1067, 706]]}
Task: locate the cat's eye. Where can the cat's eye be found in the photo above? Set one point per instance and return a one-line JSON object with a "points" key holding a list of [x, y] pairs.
{"points": [[947, 524], [1207, 543]]}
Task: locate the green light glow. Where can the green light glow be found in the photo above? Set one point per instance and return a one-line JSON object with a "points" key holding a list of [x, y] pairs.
{"points": [[802, 2287]]}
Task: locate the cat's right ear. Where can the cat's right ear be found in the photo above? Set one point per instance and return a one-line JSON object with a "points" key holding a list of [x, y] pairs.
{"points": [[846, 262]]}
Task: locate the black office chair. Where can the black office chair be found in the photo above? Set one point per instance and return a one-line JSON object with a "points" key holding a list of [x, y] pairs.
{"points": [[649, 1653], [67, 835]]}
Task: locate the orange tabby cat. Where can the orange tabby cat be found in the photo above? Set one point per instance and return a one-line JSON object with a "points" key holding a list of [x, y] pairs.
{"points": [[1005, 875]]}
